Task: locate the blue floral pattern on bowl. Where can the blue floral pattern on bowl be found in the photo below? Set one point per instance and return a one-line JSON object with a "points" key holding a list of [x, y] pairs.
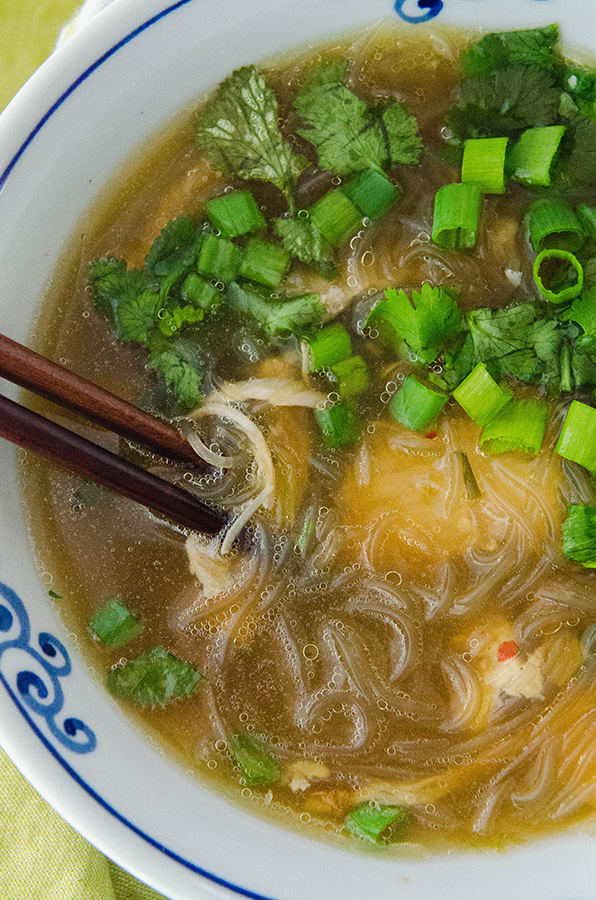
{"points": [[419, 11], [33, 676]]}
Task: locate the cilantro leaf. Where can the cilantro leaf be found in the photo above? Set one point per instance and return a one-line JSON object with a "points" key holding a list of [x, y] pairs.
{"points": [[400, 132], [136, 316], [459, 360], [583, 361], [529, 47], [579, 166], [176, 360], [297, 314], [174, 252], [239, 132], [303, 240], [518, 342], [172, 320], [153, 678], [589, 273], [180, 376], [254, 760], [580, 89], [349, 135], [583, 311], [127, 296], [505, 101], [425, 323]]}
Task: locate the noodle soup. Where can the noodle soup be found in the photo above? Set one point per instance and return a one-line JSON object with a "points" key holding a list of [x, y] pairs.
{"points": [[404, 652]]}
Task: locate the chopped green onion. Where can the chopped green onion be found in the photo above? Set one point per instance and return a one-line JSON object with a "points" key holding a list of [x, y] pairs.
{"points": [[201, 293], [371, 192], [579, 535], [484, 164], [235, 213], [583, 310], [455, 220], [481, 396], [171, 321], [565, 366], [335, 216], [264, 262], [587, 216], [253, 759], [415, 405], [577, 440], [54, 595], [329, 346], [531, 159], [473, 492], [519, 426], [351, 375], [114, 625], [379, 824], [341, 425], [218, 258], [560, 270], [553, 224]]}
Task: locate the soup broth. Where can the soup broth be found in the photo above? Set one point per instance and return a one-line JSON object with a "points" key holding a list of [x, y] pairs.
{"points": [[404, 632]]}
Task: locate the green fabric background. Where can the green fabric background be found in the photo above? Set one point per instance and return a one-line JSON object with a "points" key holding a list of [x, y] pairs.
{"points": [[41, 857]]}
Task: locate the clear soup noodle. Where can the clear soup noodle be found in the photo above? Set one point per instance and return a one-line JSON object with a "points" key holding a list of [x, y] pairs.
{"points": [[360, 281]]}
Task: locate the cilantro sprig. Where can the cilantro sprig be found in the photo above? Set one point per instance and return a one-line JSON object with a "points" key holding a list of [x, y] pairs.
{"points": [[425, 322], [239, 132], [350, 135], [300, 314], [303, 240], [505, 101], [154, 678], [528, 47], [520, 342], [146, 306]]}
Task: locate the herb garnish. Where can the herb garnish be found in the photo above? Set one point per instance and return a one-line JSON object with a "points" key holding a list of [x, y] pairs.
{"points": [[154, 678], [239, 132], [350, 135], [505, 101]]}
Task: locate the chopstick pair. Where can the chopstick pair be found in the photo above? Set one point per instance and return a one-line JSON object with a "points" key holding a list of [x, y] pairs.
{"points": [[27, 429]]}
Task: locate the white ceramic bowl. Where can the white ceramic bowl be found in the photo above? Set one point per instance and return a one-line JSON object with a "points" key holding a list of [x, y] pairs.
{"points": [[87, 109]]}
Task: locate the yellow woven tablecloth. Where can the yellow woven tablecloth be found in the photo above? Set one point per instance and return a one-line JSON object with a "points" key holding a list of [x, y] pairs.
{"points": [[41, 856]]}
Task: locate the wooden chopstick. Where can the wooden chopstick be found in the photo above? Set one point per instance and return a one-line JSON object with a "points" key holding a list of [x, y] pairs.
{"points": [[31, 431], [46, 378]]}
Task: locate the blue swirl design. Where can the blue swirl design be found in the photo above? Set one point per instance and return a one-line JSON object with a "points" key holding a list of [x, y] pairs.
{"points": [[418, 11], [34, 675], [421, 10]]}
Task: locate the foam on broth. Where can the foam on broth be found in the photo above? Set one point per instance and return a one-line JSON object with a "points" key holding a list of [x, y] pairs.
{"points": [[370, 664]]}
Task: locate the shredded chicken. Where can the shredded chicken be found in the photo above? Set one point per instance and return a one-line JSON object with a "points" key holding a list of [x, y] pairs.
{"points": [[304, 772], [274, 391], [522, 675], [414, 793], [209, 567], [214, 405], [289, 440], [517, 677]]}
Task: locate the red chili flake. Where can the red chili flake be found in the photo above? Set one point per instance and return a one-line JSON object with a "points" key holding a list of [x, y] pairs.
{"points": [[507, 650], [431, 435]]}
